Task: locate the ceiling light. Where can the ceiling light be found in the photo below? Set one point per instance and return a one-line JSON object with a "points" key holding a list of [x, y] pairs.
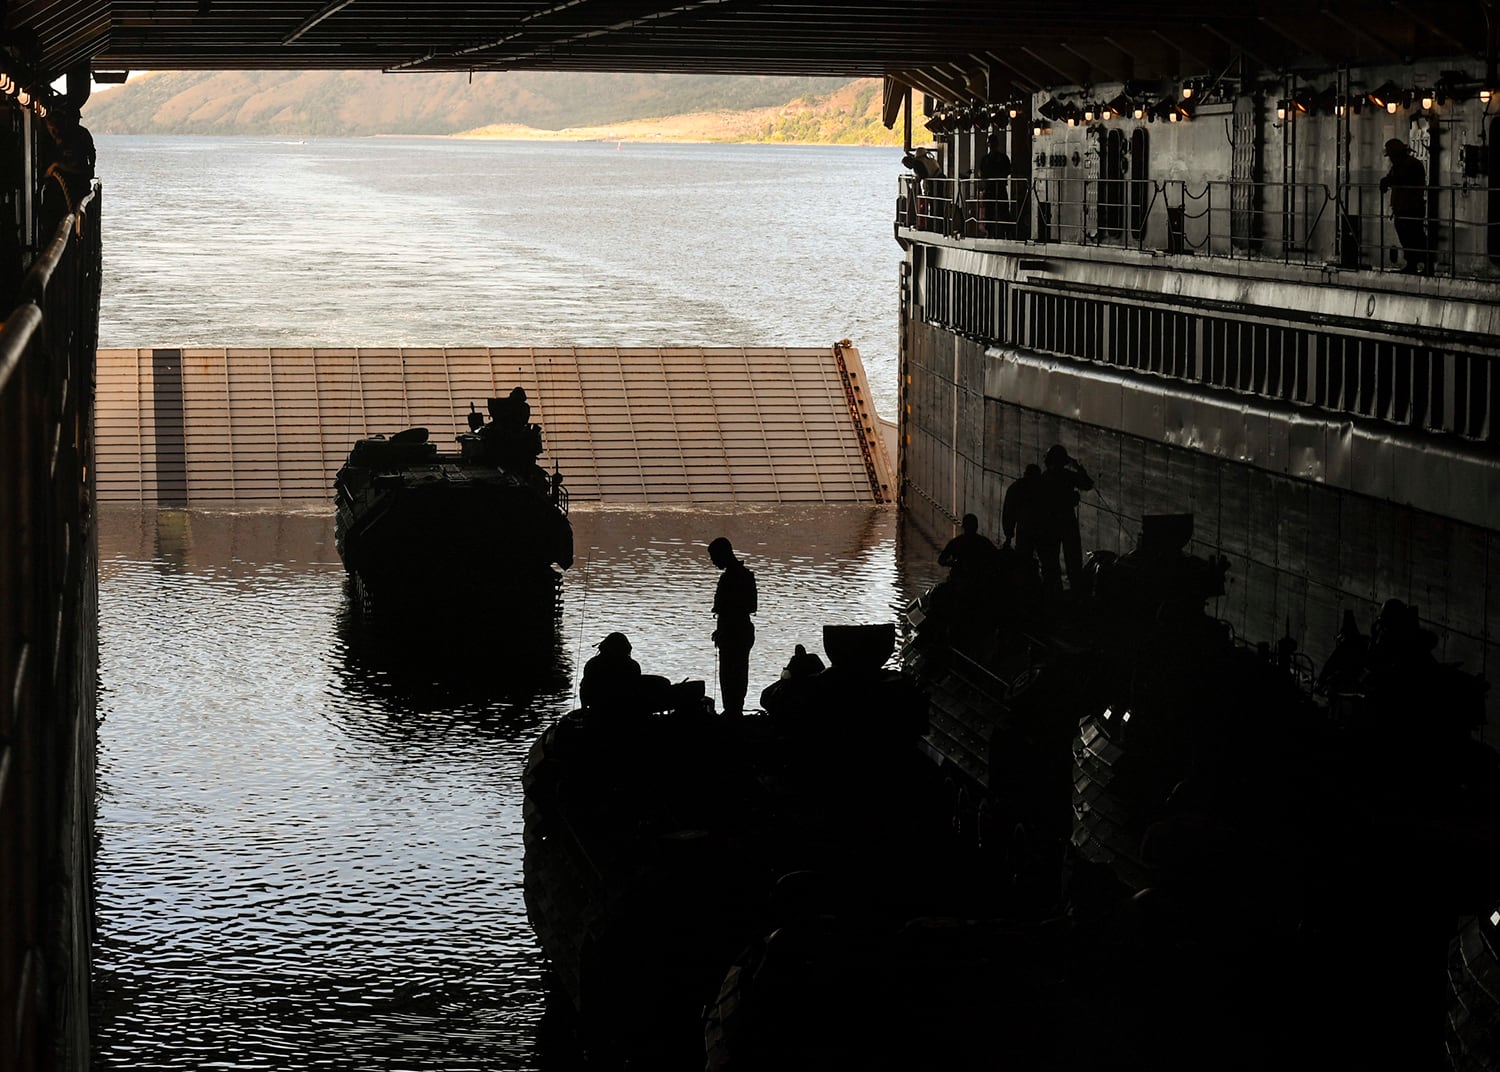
{"points": [[1385, 95]]}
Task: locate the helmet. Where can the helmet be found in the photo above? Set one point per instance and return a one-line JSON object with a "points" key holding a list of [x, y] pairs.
{"points": [[614, 644]]}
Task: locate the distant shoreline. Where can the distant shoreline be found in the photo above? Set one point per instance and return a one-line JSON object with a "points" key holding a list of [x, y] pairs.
{"points": [[700, 128], [530, 134]]}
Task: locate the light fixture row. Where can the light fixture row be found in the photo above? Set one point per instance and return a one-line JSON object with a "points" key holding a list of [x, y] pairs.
{"points": [[975, 117], [13, 90], [1387, 96]]}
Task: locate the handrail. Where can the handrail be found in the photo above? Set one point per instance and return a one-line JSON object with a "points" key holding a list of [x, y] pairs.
{"points": [[16, 334], [1349, 226], [48, 619]]}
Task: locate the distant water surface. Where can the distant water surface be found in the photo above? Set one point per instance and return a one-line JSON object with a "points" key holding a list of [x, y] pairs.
{"points": [[309, 829], [431, 242]]}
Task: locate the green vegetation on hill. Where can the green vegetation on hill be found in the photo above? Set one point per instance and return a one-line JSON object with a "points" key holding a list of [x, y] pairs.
{"points": [[362, 103]]}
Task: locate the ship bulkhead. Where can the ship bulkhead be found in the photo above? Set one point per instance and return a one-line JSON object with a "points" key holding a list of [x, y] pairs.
{"points": [[1199, 290]]}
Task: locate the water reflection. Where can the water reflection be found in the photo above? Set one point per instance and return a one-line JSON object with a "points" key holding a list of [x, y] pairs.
{"points": [[408, 677], [310, 824]]}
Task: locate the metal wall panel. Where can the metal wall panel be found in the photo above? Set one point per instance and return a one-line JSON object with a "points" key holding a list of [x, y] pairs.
{"points": [[1301, 550]]}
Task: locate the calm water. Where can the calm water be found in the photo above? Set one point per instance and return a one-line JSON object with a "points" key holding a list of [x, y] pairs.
{"points": [[310, 852], [389, 242]]}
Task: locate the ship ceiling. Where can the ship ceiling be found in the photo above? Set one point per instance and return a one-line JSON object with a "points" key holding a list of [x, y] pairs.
{"points": [[968, 50]]}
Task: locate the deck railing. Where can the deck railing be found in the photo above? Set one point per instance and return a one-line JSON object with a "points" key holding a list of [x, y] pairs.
{"points": [[48, 650], [1349, 226]]}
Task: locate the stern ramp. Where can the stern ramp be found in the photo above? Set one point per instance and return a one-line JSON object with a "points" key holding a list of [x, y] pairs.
{"points": [[640, 425]]}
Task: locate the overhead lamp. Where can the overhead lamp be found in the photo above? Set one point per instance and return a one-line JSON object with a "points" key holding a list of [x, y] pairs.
{"points": [[1162, 109], [41, 110], [23, 98], [1281, 109], [1140, 111], [1041, 127], [1429, 98], [1015, 111], [1340, 106], [1485, 93], [1392, 106], [1304, 103], [1385, 96], [6, 85], [1071, 113], [1188, 89]]}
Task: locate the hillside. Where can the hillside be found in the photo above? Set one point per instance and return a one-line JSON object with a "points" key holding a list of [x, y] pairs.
{"points": [[850, 115], [519, 104]]}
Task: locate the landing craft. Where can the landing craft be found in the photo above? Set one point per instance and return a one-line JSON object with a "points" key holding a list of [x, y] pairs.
{"points": [[416, 526]]}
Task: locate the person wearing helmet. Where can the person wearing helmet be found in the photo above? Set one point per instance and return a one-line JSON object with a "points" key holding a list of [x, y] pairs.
{"points": [[611, 679]]}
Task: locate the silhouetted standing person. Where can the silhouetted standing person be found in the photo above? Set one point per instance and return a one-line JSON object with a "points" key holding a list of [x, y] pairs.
{"points": [[1020, 515], [734, 635], [68, 153], [994, 169], [1407, 182], [1061, 480], [1343, 666]]}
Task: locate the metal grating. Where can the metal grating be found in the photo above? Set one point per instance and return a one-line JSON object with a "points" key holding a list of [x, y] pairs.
{"points": [[642, 425]]}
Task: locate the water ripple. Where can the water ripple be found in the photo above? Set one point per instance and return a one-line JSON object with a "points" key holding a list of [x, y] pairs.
{"points": [[310, 827]]}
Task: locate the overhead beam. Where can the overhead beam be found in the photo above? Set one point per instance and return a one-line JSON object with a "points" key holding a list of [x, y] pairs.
{"points": [[1307, 49], [318, 16], [1385, 48], [1115, 73]]}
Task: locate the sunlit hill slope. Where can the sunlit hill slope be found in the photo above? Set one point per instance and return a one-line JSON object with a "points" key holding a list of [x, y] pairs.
{"points": [[513, 105]]}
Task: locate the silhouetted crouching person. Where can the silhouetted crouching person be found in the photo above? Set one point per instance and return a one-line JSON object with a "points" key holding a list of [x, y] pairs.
{"points": [[513, 442], [734, 602], [611, 678], [803, 663], [612, 681], [1061, 481], [969, 555], [800, 670]]}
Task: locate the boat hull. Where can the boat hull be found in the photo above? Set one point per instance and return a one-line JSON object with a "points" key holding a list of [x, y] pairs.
{"points": [[444, 532]]}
